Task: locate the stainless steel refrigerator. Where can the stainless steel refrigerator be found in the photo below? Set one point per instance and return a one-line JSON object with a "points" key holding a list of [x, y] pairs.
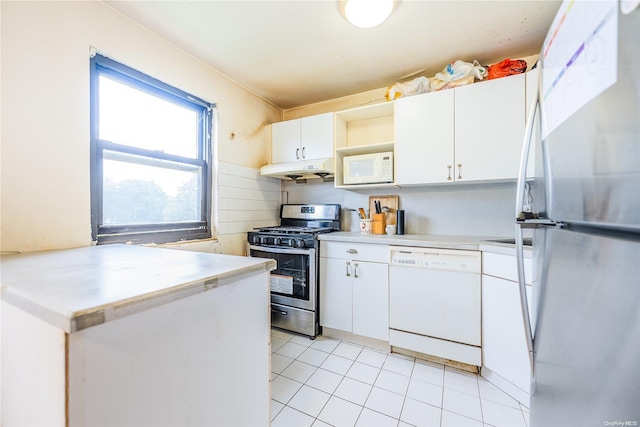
{"points": [[585, 348]]}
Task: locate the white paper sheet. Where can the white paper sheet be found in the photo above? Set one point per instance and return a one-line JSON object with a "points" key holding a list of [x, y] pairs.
{"points": [[579, 58]]}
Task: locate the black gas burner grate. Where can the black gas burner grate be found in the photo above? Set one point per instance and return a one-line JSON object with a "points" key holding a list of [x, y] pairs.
{"points": [[295, 230]]}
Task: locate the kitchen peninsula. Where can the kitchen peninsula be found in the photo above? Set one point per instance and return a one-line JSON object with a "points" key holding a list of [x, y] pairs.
{"points": [[128, 335]]}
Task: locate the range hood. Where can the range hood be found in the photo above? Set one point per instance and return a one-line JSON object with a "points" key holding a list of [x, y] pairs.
{"points": [[303, 169]]}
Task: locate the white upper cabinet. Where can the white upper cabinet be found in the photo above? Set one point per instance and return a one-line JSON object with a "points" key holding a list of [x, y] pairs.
{"points": [[317, 136], [424, 138], [302, 139], [470, 133], [489, 129], [285, 141]]}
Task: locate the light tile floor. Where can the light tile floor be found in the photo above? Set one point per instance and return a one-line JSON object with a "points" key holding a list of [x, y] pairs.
{"points": [[327, 382]]}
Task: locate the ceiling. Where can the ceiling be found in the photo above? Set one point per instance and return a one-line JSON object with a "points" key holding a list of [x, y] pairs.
{"points": [[298, 52]]}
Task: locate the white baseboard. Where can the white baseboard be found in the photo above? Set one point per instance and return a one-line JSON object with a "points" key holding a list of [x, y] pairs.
{"points": [[356, 339]]}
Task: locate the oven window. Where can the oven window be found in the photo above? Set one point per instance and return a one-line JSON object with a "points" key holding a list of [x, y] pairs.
{"points": [[291, 278]]}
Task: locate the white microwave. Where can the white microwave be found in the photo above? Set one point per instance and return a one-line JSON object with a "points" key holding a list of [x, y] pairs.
{"points": [[368, 168]]}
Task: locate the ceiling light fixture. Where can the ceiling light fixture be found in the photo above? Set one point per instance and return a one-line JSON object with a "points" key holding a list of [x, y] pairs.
{"points": [[366, 13]]}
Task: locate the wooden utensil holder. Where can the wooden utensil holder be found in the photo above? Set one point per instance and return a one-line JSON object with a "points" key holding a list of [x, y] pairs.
{"points": [[379, 223], [391, 202]]}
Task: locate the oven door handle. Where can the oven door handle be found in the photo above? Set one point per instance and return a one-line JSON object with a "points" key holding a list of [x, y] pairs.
{"points": [[281, 312], [283, 250]]}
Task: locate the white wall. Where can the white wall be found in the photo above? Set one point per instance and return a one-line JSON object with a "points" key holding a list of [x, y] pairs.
{"points": [[45, 199], [246, 199], [471, 209]]}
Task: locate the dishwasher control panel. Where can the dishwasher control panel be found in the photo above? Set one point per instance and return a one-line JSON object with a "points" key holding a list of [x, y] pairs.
{"points": [[436, 259]]}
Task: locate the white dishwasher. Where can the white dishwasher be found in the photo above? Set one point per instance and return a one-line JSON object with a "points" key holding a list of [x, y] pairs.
{"points": [[435, 302]]}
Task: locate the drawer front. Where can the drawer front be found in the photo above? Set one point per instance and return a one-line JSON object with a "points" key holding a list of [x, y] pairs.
{"points": [[505, 266], [355, 251], [294, 319]]}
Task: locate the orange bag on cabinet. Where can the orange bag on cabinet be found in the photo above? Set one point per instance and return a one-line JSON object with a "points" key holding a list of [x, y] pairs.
{"points": [[508, 67]]}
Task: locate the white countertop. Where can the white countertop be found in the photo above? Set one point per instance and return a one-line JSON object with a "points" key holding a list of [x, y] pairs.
{"points": [[504, 249], [421, 240], [75, 289], [474, 243]]}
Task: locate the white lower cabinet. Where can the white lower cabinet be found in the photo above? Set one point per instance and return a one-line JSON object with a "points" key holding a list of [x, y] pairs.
{"points": [[336, 294], [505, 351], [354, 288], [371, 300], [505, 348]]}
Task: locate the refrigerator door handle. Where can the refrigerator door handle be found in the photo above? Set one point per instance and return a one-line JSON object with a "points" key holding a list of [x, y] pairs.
{"points": [[522, 287], [524, 158], [520, 215]]}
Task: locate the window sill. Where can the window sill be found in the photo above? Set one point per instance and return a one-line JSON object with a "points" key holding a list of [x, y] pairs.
{"points": [[198, 245]]}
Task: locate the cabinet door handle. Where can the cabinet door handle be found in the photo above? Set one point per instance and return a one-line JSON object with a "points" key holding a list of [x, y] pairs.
{"points": [[449, 177], [303, 156], [348, 269], [355, 270], [459, 171], [298, 153], [352, 251]]}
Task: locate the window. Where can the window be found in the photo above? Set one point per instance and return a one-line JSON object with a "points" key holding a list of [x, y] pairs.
{"points": [[150, 158]]}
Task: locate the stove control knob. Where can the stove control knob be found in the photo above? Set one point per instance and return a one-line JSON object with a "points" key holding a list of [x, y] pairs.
{"points": [[263, 240], [276, 241], [255, 239]]}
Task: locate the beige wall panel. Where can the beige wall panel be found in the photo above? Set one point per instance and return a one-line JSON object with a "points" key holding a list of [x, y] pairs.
{"points": [[45, 113]]}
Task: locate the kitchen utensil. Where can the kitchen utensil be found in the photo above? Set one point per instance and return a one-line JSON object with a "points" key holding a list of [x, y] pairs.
{"points": [[378, 223], [366, 226], [391, 202]]}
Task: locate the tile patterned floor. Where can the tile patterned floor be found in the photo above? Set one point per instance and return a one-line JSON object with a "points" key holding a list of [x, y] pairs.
{"points": [[329, 382]]}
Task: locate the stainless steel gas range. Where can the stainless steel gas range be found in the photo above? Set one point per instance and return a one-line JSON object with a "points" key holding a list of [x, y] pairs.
{"points": [[295, 247]]}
